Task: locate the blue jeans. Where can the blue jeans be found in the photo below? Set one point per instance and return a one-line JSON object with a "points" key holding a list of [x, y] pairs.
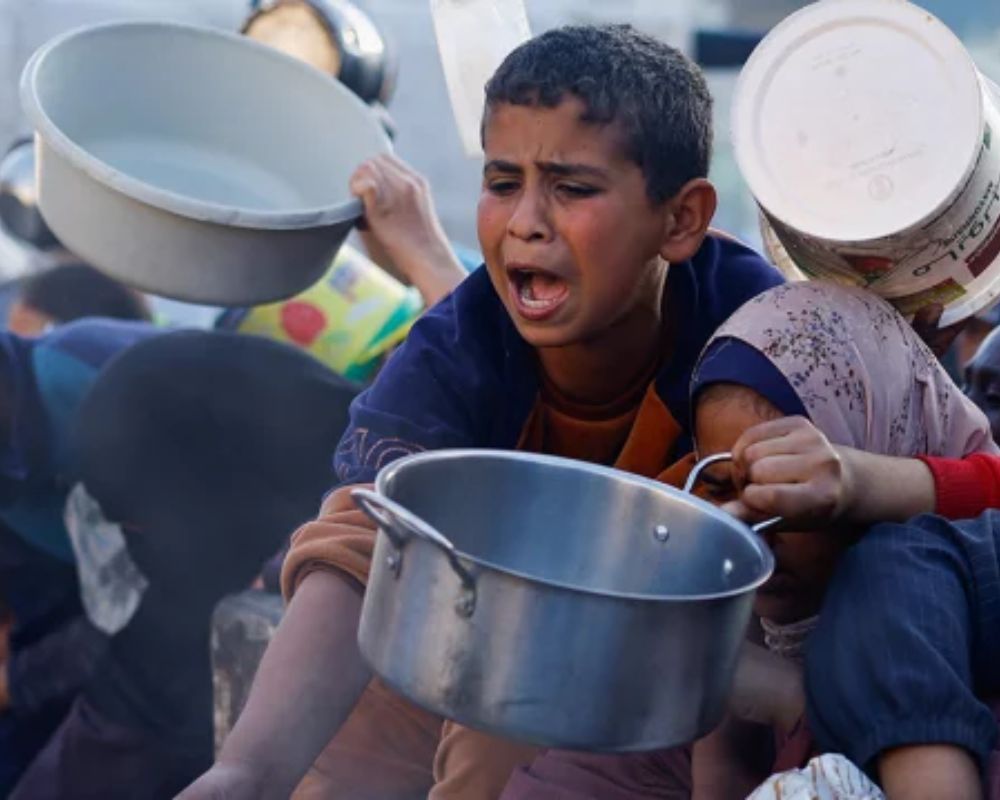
{"points": [[908, 640]]}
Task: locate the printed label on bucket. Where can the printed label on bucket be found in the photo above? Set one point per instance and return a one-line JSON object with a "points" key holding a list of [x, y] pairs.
{"points": [[954, 257]]}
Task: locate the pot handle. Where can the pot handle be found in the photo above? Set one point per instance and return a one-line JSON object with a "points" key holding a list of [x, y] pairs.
{"points": [[399, 524], [704, 464]]}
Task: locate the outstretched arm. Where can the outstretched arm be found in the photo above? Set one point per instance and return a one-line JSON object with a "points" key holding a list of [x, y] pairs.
{"points": [[309, 681]]}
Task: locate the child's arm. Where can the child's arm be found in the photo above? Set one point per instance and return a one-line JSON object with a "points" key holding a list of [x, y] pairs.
{"points": [[929, 772], [312, 674], [309, 680], [790, 469], [402, 231]]}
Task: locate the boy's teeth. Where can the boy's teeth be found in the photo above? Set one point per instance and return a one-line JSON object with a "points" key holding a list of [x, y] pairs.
{"points": [[539, 290]]}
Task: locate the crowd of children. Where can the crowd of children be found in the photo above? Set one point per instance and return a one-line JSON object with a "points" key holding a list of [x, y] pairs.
{"points": [[609, 324], [602, 286]]}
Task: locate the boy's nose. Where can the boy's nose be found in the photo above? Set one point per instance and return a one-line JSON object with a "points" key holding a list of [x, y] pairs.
{"points": [[529, 222]]}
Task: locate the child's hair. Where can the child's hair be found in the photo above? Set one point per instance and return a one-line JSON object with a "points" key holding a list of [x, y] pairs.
{"points": [[657, 96], [74, 291]]}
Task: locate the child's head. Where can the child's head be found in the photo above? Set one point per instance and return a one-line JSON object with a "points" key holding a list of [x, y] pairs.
{"points": [[68, 292], [982, 380], [597, 143], [804, 562], [850, 364]]}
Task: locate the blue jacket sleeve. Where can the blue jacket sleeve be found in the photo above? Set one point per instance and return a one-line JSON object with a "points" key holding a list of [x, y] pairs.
{"points": [[462, 378]]}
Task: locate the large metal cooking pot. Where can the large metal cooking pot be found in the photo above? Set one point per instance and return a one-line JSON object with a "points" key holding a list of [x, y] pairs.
{"points": [[556, 602], [194, 163]]}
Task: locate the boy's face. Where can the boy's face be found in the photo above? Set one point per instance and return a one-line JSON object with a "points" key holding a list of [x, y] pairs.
{"points": [[570, 238], [804, 562]]}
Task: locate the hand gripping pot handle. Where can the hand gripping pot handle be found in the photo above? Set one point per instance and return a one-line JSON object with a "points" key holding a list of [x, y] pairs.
{"points": [[400, 525], [704, 464]]}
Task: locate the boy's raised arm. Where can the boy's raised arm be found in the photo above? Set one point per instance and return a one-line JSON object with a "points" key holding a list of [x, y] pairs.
{"points": [[309, 680]]}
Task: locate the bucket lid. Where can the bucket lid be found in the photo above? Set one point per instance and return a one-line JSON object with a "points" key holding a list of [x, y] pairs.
{"points": [[857, 119]]}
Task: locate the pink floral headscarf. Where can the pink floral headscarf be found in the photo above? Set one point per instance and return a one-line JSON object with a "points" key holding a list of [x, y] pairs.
{"points": [[862, 373]]}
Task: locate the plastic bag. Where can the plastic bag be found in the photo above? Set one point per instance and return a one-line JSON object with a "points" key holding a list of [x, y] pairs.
{"points": [[827, 777], [111, 585], [474, 37]]}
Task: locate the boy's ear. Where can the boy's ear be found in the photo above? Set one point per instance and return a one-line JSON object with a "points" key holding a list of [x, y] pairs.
{"points": [[688, 215]]}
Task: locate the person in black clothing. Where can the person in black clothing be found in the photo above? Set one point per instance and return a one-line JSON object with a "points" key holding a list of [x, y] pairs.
{"points": [[52, 645], [206, 450], [68, 292]]}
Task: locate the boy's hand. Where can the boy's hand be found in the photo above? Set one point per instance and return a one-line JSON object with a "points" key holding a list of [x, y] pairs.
{"points": [[788, 468], [401, 230]]}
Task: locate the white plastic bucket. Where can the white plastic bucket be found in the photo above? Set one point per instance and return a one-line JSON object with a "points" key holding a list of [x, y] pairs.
{"points": [[872, 144]]}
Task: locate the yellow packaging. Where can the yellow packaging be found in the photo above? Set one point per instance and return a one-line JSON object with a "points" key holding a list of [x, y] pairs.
{"points": [[348, 320]]}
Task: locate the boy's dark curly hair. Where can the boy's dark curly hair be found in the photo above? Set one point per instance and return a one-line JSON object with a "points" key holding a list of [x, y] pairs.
{"points": [[657, 96]]}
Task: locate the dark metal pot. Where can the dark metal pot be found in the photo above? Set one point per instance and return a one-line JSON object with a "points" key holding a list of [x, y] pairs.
{"points": [[556, 602]]}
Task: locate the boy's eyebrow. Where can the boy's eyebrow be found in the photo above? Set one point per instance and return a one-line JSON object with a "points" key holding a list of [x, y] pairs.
{"points": [[568, 170], [551, 167], [499, 165]]}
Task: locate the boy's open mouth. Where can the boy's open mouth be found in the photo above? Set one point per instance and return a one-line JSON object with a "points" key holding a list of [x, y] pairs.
{"points": [[536, 293]]}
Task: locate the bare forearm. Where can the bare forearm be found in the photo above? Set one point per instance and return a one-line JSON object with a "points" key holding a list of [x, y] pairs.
{"points": [[309, 681], [430, 265], [887, 489]]}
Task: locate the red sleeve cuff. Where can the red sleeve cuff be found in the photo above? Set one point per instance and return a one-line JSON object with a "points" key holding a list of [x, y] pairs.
{"points": [[965, 487]]}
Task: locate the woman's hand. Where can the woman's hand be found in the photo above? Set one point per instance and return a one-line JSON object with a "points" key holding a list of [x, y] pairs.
{"points": [[401, 229], [787, 468]]}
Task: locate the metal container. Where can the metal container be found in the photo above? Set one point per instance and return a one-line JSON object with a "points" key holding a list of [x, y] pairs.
{"points": [[193, 163], [556, 602]]}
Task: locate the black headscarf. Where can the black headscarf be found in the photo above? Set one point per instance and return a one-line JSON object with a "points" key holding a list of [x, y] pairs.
{"points": [[210, 448]]}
